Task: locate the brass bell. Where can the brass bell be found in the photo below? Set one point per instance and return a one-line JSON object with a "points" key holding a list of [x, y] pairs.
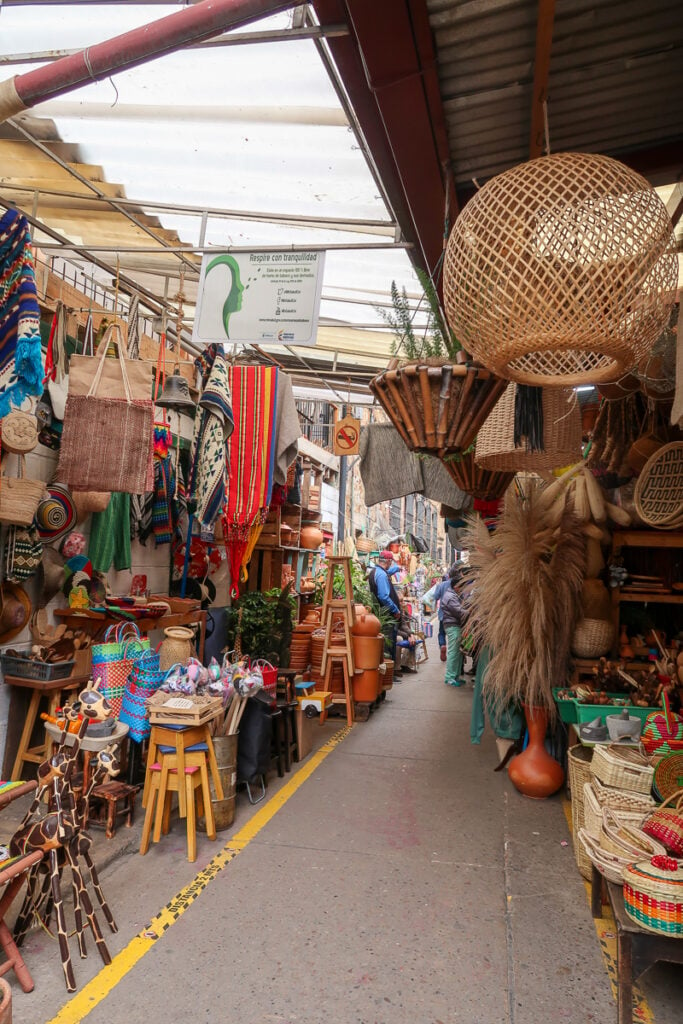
{"points": [[176, 394]]}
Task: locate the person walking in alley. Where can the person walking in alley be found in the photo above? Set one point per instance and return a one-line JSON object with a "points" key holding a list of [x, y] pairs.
{"points": [[454, 616], [433, 597], [379, 579]]}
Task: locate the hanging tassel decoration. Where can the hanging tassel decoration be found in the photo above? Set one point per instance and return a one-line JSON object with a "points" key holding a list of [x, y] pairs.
{"points": [[528, 429]]}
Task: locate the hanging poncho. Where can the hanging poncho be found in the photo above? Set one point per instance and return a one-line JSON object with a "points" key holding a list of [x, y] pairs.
{"points": [[251, 460], [213, 426], [21, 372]]}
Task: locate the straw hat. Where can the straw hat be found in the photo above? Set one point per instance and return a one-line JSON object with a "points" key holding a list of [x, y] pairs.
{"points": [[15, 611], [56, 514]]}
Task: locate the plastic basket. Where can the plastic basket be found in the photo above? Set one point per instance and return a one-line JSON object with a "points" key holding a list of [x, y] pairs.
{"points": [[25, 668]]}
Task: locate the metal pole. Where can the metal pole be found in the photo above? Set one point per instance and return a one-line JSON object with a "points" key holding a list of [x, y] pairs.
{"points": [[129, 50]]}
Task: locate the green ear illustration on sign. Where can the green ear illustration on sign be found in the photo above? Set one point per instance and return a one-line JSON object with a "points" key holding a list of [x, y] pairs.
{"points": [[233, 302]]}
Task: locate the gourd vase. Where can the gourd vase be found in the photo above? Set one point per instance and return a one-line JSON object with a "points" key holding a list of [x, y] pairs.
{"points": [[534, 772]]}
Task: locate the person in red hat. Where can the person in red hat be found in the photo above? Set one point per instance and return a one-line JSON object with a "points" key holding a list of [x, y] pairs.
{"points": [[379, 579]]}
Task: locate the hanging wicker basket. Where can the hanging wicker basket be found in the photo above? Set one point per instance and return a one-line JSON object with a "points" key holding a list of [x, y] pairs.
{"points": [[437, 407], [592, 638], [495, 448], [489, 485], [561, 271]]}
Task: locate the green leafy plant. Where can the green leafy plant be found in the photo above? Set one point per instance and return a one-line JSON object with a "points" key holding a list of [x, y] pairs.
{"points": [[264, 623], [437, 341]]}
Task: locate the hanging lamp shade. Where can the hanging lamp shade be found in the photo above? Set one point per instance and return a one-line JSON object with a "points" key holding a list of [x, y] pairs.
{"points": [[176, 394], [561, 271], [495, 448]]}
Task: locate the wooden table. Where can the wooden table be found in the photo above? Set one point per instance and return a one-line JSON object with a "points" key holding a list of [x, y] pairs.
{"points": [[54, 691], [96, 623], [637, 949]]}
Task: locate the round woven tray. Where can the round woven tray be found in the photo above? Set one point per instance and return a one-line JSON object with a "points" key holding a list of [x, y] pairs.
{"points": [[561, 270], [495, 448], [658, 494], [669, 775]]}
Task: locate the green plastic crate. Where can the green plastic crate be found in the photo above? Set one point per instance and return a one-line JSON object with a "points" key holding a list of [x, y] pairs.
{"points": [[573, 712]]}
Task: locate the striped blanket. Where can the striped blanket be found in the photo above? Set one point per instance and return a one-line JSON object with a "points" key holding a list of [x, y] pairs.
{"points": [[21, 372], [251, 460]]}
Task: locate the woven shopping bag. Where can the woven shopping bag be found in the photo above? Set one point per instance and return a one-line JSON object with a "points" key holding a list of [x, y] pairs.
{"points": [[113, 661], [134, 712], [108, 437]]}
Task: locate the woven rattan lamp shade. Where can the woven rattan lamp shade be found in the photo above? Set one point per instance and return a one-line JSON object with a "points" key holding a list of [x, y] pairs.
{"points": [[561, 271], [495, 448]]}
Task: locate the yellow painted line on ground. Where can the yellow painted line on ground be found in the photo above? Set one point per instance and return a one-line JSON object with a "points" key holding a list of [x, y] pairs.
{"points": [[85, 1001], [606, 931]]}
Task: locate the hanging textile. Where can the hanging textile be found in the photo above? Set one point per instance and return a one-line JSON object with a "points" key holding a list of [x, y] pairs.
{"points": [[251, 459], [134, 327], [288, 429], [213, 426], [21, 371], [110, 535]]}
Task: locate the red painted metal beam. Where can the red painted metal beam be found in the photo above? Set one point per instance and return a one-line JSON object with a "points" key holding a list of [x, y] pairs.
{"points": [[191, 25], [388, 67]]}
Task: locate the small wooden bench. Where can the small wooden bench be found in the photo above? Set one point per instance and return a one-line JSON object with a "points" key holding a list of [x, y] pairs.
{"points": [[637, 949]]}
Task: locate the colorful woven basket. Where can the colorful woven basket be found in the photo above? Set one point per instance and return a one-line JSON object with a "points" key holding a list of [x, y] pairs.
{"points": [[653, 895], [663, 730], [669, 776], [666, 824]]}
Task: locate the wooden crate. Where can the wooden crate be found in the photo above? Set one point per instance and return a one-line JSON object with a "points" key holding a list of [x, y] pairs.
{"points": [[270, 534], [176, 709]]}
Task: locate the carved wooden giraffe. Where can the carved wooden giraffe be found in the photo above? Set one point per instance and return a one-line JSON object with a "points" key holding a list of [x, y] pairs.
{"points": [[60, 834]]}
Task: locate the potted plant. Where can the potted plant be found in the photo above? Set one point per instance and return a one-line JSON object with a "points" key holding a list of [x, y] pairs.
{"points": [[433, 395], [262, 623]]}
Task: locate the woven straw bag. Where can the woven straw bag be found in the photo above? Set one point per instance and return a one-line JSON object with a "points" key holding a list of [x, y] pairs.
{"points": [[495, 448], [20, 497], [625, 840], [653, 895], [592, 638], [630, 808], [89, 502], [666, 824], [578, 761], [608, 864], [622, 768], [19, 433], [658, 494]]}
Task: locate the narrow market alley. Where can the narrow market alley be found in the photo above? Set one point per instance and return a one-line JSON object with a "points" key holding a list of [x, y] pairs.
{"points": [[400, 881]]}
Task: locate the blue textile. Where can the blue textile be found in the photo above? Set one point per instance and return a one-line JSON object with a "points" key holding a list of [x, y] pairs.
{"points": [[21, 370], [384, 589]]}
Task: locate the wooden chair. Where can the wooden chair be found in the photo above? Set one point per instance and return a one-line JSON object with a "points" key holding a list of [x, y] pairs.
{"points": [[164, 780]]}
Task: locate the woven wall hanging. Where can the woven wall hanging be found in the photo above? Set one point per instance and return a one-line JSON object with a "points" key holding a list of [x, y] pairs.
{"points": [[561, 271]]}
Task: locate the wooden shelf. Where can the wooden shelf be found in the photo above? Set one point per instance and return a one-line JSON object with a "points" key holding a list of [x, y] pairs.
{"points": [[653, 598], [646, 539]]}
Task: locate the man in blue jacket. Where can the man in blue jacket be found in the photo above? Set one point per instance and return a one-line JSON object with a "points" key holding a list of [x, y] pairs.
{"points": [[384, 590]]}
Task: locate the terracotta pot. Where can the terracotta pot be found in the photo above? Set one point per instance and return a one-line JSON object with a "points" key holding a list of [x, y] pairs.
{"points": [[366, 686], [534, 772], [285, 534], [311, 537], [367, 651], [366, 624]]}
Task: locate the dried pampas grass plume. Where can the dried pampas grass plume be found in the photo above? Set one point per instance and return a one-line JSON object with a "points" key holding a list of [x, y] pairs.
{"points": [[525, 597]]}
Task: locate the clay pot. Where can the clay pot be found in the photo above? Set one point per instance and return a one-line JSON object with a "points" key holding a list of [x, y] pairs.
{"points": [[178, 647], [366, 686], [625, 649], [366, 624], [311, 537], [313, 614], [534, 772], [367, 651], [285, 534]]}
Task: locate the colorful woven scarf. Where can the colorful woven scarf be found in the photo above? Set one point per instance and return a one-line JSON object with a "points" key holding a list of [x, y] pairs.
{"points": [[251, 459], [213, 426], [21, 371]]}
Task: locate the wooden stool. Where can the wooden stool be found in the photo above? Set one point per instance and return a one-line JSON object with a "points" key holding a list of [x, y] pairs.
{"points": [[165, 779], [118, 798], [180, 737], [14, 875], [54, 691]]}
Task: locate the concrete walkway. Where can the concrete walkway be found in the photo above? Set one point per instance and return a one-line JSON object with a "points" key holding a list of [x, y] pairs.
{"points": [[403, 882]]}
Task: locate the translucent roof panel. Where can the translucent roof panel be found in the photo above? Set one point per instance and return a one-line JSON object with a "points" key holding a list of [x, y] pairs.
{"points": [[254, 128]]}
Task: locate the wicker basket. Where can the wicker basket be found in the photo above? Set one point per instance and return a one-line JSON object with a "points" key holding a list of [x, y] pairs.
{"points": [[665, 824], [437, 408], [625, 840], [364, 545], [608, 864], [622, 768], [653, 895], [562, 270], [658, 494], [578, 761], [495, 448], [592, 638], [630, 808], [20, 497], [477, 481]]}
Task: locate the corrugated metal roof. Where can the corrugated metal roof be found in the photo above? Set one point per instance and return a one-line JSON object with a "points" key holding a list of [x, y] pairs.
{"points": [[616, 77]]}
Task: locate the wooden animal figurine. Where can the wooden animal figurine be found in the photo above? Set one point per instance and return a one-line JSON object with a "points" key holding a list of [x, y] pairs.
{"points": [[62, 837]]}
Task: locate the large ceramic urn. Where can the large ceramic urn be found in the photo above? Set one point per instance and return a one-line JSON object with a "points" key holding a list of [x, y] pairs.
{"points": [[534, 772], [311, 537]]}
